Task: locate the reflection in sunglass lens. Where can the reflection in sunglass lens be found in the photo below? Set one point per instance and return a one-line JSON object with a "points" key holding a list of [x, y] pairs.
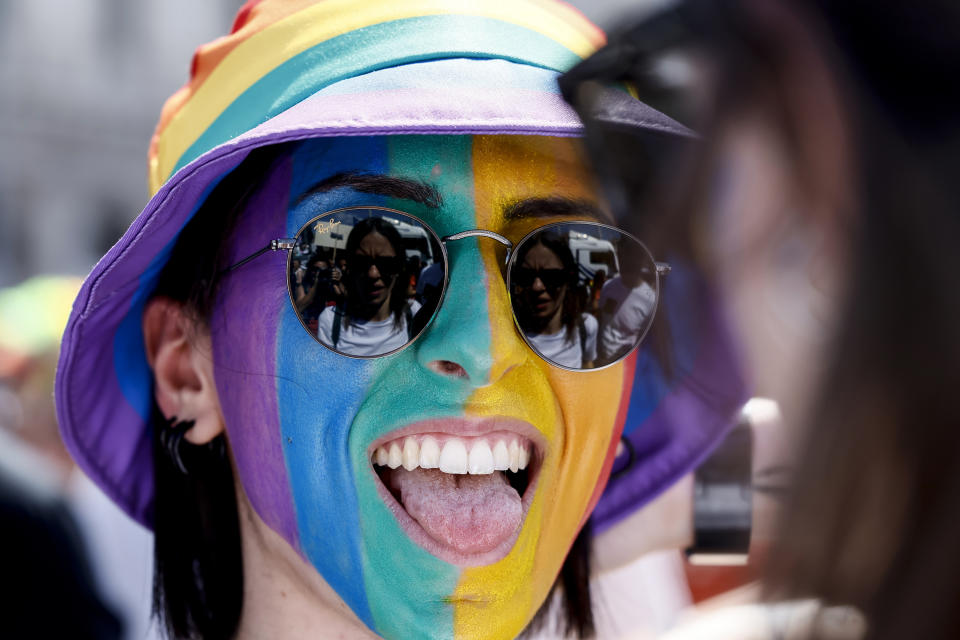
{"points": [[387, 266], [598, 295], [366, 281]]}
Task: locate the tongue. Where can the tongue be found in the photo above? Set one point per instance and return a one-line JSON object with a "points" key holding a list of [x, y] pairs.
{"points": [[471, 513]]}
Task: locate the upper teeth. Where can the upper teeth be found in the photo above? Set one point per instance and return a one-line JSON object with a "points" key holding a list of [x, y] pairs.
{"points": [[456, 455]]}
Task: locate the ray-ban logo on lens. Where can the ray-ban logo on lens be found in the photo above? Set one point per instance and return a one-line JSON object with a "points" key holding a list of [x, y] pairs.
{"points": [[325, 226]]}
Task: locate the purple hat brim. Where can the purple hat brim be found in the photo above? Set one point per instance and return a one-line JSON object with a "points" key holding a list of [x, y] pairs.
{"points": [[104, 386]]}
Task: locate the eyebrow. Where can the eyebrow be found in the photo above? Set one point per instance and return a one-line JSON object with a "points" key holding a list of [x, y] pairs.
{"points": [[379, 184], [553, 206], [427, 194]]}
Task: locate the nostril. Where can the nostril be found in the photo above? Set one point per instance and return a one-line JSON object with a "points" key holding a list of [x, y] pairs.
{"points": [[448, 368]]}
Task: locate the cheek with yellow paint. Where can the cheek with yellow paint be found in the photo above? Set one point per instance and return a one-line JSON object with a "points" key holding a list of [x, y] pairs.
{"points": [[575, 411]]}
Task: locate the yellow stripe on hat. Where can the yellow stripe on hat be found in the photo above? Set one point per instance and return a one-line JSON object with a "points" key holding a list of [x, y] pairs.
{"points": [[286, 38]]}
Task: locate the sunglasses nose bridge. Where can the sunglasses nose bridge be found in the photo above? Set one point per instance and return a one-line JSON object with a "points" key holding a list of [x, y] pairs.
{"points": [[482, 233], [474, 327]]}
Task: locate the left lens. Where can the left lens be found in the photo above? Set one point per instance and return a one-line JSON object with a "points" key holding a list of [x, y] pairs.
{"points": [[365, 281], [583, 294]]}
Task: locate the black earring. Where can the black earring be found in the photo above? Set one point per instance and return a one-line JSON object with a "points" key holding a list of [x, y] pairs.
{"points": [[171, 438]]}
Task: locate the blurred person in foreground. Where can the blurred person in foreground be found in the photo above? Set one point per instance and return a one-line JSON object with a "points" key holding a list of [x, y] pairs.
{"points": [[823, 198]]}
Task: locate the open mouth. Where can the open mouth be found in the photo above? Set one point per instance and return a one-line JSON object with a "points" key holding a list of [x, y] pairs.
{"points": [[460, 488]]}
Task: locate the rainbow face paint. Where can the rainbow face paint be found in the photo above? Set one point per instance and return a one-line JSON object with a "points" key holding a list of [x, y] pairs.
{"points": [[303, 422]]}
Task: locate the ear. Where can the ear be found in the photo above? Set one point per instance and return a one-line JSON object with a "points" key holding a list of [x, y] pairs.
{"points": [[180, 354]]}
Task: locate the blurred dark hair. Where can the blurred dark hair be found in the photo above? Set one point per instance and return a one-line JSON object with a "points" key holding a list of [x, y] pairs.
{"points": [[198, 571], [872, 518]]}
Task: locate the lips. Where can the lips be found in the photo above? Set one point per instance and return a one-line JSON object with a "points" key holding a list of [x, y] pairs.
{"points": [[460, 487], [542, 303], [375, 291]]}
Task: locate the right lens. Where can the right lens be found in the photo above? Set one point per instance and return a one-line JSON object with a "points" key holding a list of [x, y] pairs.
{"points": [[583, 294], [365, 281]]}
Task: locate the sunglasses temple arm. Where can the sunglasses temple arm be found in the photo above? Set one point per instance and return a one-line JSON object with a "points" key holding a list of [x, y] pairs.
{"points": [[280, 244]]}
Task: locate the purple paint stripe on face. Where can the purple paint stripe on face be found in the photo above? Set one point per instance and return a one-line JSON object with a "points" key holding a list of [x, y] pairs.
{"points": [[685, 427], [245, 361]]}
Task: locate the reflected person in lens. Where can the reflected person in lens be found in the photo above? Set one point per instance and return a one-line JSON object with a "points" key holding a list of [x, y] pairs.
{"points": [[377, 316], [626, 303], [547, 307]]}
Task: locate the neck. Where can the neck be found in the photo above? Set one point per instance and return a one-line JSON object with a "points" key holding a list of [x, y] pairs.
{"points": [[283, 596]]}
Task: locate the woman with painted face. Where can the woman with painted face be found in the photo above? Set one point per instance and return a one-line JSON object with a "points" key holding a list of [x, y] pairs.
{"points": [[432, 485], [548, 309]]}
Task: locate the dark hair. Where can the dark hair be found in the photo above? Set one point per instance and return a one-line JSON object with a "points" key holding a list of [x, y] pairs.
{"points": [[198, 566], [398, 301], [573, 587], [874, 520]]}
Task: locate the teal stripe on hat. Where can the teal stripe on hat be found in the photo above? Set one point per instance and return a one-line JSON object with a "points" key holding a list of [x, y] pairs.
{"points": [[380, 46]]}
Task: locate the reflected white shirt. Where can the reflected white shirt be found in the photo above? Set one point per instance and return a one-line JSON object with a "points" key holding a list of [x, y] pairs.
{"points": [[569, 352], [365, 338]]}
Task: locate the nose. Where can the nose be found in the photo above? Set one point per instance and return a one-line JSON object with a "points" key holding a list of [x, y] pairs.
{"points": [[373, 273], [538, 285], [472, 336]]}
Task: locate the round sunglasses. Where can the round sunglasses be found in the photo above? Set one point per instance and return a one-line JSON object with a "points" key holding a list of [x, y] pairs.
{"points": [[365, 282]]}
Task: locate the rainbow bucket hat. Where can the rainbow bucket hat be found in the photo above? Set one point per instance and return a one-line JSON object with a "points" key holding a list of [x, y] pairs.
{"points": [[297, 69]]}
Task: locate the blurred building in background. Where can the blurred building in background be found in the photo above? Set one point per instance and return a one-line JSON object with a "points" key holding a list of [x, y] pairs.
{"points": [[81, 86]]}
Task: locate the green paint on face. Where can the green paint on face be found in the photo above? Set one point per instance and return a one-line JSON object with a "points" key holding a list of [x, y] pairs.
{"points": [[407, 587]]}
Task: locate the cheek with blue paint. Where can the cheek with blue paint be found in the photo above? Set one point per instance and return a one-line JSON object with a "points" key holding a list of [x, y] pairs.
{"points": [[300, 417], [288, 403]]}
